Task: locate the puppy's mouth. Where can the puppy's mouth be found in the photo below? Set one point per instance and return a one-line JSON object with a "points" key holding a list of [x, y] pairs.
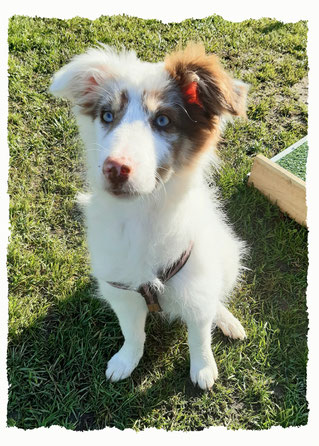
{"points": [[125, 191], [129, 192], [122, 193]]}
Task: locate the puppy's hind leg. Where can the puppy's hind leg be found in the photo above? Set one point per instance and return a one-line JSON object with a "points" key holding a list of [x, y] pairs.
{"points": [[229, 325]]}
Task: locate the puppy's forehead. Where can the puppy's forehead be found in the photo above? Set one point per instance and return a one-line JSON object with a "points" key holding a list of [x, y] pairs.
{"points": [[144, 79], [148, 75]]}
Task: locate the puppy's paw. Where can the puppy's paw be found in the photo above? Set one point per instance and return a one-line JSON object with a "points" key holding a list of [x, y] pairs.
{"points": [[204, 375], [120, 366], [232, 327]]}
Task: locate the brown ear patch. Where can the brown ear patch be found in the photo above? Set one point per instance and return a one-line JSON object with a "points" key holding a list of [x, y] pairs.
{"points": [[217, 91]]}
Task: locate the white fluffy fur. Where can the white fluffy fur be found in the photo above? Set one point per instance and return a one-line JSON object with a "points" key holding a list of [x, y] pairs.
{"points": [[129, 240]]}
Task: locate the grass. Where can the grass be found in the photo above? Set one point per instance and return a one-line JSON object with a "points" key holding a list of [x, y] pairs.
{"points": [[296, 161], [60, 336]]}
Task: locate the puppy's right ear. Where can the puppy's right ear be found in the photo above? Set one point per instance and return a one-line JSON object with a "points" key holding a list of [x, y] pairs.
{"points": [[80, 80], [204, 82]]}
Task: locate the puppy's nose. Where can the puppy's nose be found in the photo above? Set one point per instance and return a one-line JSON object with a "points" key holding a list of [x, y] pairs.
{"points": [[116, 170]]}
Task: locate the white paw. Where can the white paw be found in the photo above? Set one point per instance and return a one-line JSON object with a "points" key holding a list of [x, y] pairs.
{"points": [[232, 327], [121, 365], [204, 375]]}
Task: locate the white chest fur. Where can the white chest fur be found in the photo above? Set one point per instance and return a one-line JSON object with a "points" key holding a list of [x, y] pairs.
{"points": [[130, 242]]}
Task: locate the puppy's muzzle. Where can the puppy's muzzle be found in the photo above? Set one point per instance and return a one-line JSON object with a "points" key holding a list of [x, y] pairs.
{"points": [[117, 171]]}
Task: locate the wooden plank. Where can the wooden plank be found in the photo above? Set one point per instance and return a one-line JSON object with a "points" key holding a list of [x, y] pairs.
{"points": [[281, 187]]}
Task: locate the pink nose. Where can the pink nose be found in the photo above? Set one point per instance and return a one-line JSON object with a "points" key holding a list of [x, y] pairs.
{"points": [[116, 170]]}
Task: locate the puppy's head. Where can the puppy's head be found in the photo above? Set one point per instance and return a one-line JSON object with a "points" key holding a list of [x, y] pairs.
{"points": [[143, 122]]}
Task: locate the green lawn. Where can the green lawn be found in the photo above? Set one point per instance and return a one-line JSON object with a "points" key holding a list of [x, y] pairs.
{"points": [[60, 336]]}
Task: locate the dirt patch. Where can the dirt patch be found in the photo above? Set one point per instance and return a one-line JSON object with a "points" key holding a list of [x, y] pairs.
{"points": [[301, 88]]}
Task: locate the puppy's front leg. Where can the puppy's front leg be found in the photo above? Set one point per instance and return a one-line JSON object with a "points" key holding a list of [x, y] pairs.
{"points": [[203, 368], [131, 311]]}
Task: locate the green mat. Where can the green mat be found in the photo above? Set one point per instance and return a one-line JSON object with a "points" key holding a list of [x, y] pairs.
{"points": [[296, 161]]}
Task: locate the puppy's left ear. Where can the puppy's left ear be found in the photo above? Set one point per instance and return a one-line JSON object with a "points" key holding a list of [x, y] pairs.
{"points": [[81, 79], [205, 84]]}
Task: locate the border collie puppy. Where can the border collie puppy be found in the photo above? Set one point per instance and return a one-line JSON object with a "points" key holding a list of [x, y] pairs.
{"points": [[157, 238]]}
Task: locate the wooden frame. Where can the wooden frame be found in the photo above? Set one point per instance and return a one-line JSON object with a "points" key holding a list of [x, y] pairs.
{"points": [[281, 186]]}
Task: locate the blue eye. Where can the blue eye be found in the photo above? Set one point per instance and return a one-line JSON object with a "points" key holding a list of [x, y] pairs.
{"points": [[162, 120], [107, 116]]}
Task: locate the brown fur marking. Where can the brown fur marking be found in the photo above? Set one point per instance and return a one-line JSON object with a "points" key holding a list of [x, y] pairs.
{"points": [[218, 94], [217, 90]]}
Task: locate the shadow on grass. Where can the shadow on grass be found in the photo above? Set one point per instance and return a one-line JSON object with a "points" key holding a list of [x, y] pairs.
{"points": [[56, 367]]}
